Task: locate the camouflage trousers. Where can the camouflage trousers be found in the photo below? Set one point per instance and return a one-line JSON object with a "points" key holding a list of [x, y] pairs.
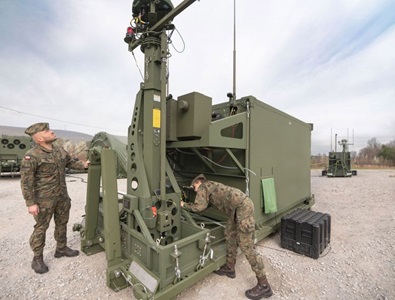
{"points": [[60, 209], [240, 231]]}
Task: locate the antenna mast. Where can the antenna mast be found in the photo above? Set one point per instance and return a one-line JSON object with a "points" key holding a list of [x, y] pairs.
{"points": [[234, 52]]}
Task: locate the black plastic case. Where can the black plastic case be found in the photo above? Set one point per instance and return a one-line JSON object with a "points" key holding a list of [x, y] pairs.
{"points": [[306, 232]]}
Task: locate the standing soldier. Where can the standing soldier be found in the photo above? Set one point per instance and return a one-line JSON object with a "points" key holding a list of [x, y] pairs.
{"points": [[43, 184], [239, 231]]}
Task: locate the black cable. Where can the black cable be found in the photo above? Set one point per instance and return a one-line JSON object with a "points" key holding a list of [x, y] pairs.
{"points": [[25, 113], [82, 179], [171, 42]]}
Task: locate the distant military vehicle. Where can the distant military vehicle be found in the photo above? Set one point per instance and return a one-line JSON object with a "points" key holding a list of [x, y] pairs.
{"points": [[339, 163], [12, 151]]}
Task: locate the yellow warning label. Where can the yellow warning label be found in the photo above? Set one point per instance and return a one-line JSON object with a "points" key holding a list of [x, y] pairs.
{"points": [[156, 118]]}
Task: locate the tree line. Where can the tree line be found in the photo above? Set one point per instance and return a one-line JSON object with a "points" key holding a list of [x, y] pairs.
{"points": [[374, 154]]}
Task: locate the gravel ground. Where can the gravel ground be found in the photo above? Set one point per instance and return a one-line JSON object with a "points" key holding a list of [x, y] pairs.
{"points": [[359, 264]]}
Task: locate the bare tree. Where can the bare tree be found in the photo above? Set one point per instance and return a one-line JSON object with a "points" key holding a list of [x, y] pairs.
{"points": [[369, 154]]}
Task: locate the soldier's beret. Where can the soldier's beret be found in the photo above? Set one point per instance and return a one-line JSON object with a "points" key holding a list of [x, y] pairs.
{"points": [[199, 177], [33, 129]]}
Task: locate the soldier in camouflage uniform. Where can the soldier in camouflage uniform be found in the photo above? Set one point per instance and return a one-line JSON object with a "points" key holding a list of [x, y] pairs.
{"points": [[44, 189], [239, 230]]}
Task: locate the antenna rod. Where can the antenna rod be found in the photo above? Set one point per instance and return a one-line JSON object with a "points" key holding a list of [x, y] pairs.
{"points": [[234, 52], [353, 147]]}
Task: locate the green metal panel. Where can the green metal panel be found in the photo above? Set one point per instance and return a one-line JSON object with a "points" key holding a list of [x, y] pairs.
{"points": [[281, 150], [193, 115]]}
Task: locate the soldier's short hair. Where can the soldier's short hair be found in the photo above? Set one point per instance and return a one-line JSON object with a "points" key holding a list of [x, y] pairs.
{"points": [[33, 129], [200, 177]]}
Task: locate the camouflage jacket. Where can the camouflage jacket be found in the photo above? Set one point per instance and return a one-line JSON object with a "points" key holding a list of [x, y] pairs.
{"points": [[224, 198], [43, 173]]}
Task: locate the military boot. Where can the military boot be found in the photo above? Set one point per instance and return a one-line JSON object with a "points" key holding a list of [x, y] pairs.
{"points": [[66, 251], [38, 265], [261, 290], [228, 270]]}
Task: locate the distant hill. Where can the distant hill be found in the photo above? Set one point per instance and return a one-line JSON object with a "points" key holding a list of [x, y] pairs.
{"points": [[72, 136]]}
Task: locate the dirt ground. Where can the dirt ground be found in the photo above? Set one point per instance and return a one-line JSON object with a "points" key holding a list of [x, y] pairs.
{"points": [[358, 264]]}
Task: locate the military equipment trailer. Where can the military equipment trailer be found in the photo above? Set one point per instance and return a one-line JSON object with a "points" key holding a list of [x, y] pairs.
{"points": [[339, 163], [151, 244], [12, 151]]}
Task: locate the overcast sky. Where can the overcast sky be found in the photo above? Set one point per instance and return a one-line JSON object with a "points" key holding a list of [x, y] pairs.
{"points": [[326, 62]]}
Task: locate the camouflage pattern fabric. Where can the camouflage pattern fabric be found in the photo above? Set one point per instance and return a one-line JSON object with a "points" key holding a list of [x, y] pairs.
{"points": [[33, 129], [60, 209], [43, 174], [240, 227], [43, 182]]}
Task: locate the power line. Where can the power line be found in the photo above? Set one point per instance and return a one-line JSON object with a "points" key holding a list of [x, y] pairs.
{"points": [[48, 118]]}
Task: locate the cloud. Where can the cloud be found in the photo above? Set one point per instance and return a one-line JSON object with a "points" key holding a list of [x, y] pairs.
{"points": [[330, 62]]}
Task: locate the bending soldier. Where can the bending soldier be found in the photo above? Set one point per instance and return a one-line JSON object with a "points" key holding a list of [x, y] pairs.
{"points": [[239, 230]]}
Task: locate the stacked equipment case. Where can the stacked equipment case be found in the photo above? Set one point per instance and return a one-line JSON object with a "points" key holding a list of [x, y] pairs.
{"points": [[306, 232]]}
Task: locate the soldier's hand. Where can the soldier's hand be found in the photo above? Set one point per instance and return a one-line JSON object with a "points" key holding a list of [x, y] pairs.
{"points": [[33, 210], [182, 203], [86, 164]]}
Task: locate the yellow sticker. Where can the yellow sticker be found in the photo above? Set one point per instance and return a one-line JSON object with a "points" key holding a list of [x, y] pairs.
{"points": [[156, 118]]}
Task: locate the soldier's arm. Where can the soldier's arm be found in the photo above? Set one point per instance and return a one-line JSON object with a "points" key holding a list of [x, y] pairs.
{"points": [[28, 171], [201, 202], [75, 164]]}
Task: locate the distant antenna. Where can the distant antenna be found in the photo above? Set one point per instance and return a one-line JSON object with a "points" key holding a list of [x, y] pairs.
{"points": [[353, 139], [234, 51]]}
